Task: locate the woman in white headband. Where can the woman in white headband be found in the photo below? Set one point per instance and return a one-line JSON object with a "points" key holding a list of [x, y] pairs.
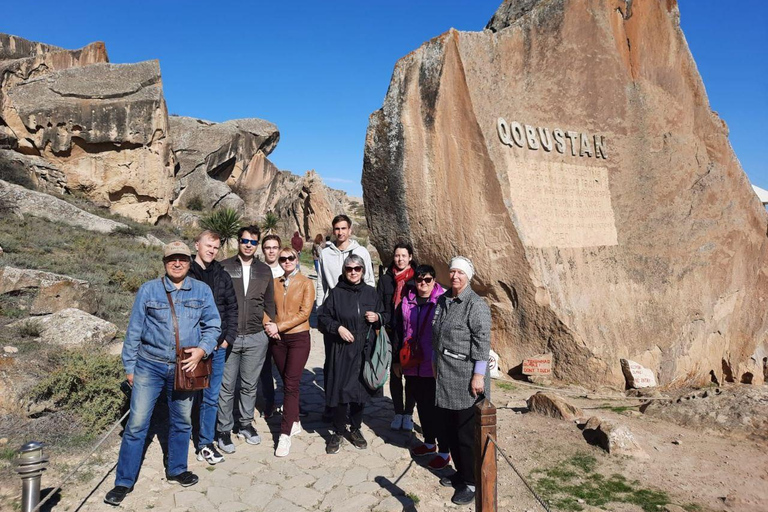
{"points": [[461, 343]]}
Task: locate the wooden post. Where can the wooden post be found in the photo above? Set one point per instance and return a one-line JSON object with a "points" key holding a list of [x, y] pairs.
{"points": [[485, 457]]}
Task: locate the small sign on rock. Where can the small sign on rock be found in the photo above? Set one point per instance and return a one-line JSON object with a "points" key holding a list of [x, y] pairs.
{"points": [[637, 376], [538, 365]]}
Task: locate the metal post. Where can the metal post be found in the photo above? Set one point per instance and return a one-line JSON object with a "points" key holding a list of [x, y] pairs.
{"points": [[30, 463], [485, 457]]}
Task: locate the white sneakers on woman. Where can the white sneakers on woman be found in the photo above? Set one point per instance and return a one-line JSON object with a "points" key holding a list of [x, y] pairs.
{"points": [[284, 443], [283, 446]]}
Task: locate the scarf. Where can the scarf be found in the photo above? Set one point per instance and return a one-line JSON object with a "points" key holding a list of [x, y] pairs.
{"points": [[287, 280], [400, 280]]}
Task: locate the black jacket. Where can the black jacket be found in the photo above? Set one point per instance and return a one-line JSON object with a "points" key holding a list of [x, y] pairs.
{"points": [[260, 298], [223, 294], [346, 305], [386, 289]]}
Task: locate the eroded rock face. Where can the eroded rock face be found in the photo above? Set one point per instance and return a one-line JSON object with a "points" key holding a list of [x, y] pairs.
{"points": [[214, 156], [104, 126], [54, 291], [571, 152]]}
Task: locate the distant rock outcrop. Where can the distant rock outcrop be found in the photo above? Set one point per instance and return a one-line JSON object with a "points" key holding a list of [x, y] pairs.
{"points": [[571, 152], [72, 122], [212, 156]]}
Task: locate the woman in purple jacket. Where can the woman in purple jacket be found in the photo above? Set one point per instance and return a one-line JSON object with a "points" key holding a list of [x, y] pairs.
{"points": [[414, 325]]}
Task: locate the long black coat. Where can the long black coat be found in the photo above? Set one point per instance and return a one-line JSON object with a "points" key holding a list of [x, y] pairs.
{"points": [[346, 305]]}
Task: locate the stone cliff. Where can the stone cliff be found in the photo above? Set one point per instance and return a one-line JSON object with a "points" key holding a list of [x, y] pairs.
{"points": [[104, 126], [570, 150], [77, 124]]}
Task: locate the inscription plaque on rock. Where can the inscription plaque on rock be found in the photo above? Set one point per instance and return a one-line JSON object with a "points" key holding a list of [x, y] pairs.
{"points": [[637, 375], [562, 205], [538, 365]]}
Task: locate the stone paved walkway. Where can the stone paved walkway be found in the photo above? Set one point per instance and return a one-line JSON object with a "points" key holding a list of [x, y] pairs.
{"points": [[381, 478]]}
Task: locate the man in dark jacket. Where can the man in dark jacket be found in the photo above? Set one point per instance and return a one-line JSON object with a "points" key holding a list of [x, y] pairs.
{"points": [[205, 268], [254, 290]]}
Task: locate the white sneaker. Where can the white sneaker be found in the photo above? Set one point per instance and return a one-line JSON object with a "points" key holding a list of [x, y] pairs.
{"points": [[296, 428], [407, 422], [397, 422], [283, 446]]}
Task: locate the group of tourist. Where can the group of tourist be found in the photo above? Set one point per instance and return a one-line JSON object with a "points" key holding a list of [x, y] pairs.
{"points": [[243, 314]]}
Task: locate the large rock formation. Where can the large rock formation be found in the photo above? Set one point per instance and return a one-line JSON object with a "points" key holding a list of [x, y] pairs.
{"points": [[104, 126], [226, 165], [211, 155], [571, 152]]}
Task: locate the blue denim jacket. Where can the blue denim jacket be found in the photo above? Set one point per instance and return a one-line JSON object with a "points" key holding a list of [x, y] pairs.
{"points": [[150, 329]]}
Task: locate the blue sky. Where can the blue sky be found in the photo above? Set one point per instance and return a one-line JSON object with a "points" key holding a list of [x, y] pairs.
{"points": [[318, 69]]}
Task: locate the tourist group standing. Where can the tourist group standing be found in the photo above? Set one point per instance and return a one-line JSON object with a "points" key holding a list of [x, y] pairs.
{"points": [[237, 316]]}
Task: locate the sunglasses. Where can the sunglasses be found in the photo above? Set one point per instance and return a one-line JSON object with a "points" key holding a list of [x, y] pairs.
{"points": [[283, 259], [424, 280], [248, 241], [353, 269]]}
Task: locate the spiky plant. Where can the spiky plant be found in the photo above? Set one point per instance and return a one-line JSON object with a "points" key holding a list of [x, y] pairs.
{"points": [[224, 221], [270, 222]]}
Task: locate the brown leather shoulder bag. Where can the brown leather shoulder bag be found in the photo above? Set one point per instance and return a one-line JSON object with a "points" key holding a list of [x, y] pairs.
{"points": [[200, 377]]}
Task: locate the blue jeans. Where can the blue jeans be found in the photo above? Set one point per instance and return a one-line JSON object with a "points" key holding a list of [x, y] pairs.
{"points": [[209, 406], [149, 380]]}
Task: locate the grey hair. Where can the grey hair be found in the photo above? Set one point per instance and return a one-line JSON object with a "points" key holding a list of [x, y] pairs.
{"points": [[357, 260]]}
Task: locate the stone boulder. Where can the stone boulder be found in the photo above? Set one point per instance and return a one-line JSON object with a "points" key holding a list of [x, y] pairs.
{"points": [[554, 406], [54, 291], [104, 126], [571, 152], [213, 156], [71, 327], [21, 201], [612, 437]]}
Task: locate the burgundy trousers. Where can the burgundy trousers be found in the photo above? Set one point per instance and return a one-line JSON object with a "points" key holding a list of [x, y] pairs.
{"points": [[290, 354]]}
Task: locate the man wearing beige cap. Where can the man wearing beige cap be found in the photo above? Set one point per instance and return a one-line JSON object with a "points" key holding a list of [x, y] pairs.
{"points": [[149, 358]]}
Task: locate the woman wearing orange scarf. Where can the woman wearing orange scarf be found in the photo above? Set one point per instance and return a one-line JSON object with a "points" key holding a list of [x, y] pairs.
{"points": [[393, 286]]}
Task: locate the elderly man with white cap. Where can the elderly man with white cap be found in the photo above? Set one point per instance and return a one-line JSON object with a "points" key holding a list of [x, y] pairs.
{"points": [[173, 303], [461, 341]]}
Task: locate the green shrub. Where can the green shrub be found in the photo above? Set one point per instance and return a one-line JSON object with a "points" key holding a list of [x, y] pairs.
{"points": [[86, 383], [29, 329], [195, 203], [224, 221]]}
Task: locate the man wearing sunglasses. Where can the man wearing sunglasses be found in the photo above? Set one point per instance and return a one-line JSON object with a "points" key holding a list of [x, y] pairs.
{"points": [[254, 290]]}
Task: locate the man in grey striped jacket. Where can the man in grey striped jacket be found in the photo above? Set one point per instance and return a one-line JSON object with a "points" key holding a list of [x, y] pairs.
{"points": [[461, 344]]}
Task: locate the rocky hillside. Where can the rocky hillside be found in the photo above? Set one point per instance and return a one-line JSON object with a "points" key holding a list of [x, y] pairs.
{"points": [[576, 159], [73, 123]]}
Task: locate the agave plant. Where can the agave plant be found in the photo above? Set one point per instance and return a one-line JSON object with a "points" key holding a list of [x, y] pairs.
{"points": [[224, 221], [270, 222]]}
